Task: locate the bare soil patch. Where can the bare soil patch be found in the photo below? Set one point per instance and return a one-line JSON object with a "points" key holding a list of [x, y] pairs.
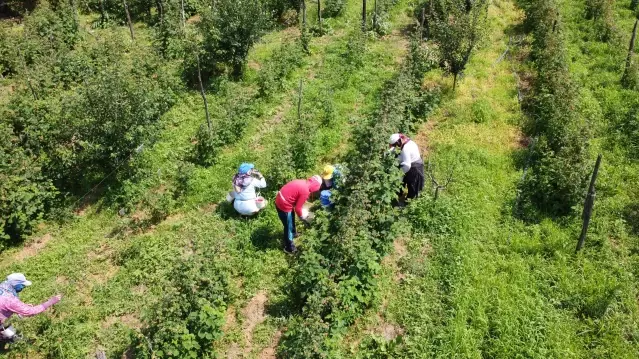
{"points": [[253, 315], [33, 248], [270, 351], [129, 320], [387, 330], [230, 319], [422, 137]]}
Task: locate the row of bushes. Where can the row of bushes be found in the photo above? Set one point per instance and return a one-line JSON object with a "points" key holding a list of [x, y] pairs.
{"points": [[458, 27], [81, 104], [337, 270], [558, 168], [188, 319], [78, 109]]}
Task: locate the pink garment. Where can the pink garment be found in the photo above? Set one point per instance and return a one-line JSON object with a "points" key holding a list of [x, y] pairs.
{"points": [[10, 305], [295, 193]]}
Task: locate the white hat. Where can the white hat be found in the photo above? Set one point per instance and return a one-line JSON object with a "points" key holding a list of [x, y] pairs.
{"points": [[18, 278], [393, 139]]}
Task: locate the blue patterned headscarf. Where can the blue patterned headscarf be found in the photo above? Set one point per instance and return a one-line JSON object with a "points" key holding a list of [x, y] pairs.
{"points": [[242, 178]]}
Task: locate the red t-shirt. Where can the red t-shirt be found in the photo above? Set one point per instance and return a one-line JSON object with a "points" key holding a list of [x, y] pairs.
{"points": [[293, 195]]}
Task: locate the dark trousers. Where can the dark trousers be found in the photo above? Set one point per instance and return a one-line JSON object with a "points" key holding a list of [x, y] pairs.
{"points": [[414, 180], [288, 221]]}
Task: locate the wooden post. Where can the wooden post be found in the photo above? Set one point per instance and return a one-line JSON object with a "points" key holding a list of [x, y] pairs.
{"points": [[128, 19], [303, 6], [102, 13], [589, 203], [631, 51], [75, 14], [319, 15], [364, 15], [421, 23], [182, 12], [206, 104], [375, 16], [161, 11], [299, 102]]}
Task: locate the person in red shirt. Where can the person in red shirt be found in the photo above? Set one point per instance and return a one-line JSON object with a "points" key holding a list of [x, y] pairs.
{"points": [[291, 198]]}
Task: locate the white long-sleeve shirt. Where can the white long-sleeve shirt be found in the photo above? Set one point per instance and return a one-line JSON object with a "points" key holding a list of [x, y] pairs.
{"points": [[409, 155], [248, 192]]}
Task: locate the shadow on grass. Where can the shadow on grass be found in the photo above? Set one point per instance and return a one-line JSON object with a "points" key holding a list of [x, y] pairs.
{"points": [[263, 238]]}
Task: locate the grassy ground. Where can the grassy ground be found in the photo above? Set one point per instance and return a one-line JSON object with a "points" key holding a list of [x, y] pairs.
{"points": [[110, 272], [466, 278]]}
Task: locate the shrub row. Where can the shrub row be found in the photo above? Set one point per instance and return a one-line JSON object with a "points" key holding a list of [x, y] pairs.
{"points": [[81, 105], [77, 113], [558, 169], [336, 272], [190, 315]]}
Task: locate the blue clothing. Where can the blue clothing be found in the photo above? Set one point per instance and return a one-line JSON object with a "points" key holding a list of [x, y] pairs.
{"points": [[288, 221], [245, 168], [325, 198]]}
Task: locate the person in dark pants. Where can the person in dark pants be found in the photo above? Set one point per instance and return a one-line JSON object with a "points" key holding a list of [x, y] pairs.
{"points": [[411, 163], [291, 198]]}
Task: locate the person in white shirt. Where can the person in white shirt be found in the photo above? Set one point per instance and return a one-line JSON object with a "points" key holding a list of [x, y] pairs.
{"points": [[245, 199], [411, 163]]}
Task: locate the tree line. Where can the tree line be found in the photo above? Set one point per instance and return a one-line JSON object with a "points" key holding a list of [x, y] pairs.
{"points": [[83, 100]]}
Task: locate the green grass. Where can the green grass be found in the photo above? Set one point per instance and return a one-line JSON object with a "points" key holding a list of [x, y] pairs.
{"points": [[470, 281], [111, 273], [466, 278]]}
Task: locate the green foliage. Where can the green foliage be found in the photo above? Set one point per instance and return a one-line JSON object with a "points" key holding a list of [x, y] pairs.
{"points": [[332, 8], [80, 108], [601, 12], [630, 130], [280, 8], [233, 116], [168, 32], [228, 32], [382, 24], [120, 111], [9, 59], [190, 315], [276, 69], [302, 145], [558, 163], [630, 78], [482, 111], [457, 27], [337, 272], [207, 146], [355, 49], [25, 192]]}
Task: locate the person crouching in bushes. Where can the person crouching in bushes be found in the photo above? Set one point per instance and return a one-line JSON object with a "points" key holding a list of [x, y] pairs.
{"points": [[331, 177], [331, 180], [411, 163], [245, 200], [292, 197]]}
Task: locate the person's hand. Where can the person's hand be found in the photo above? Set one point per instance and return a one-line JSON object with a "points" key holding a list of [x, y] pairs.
{"points": [[307, 220], [56, 298]]}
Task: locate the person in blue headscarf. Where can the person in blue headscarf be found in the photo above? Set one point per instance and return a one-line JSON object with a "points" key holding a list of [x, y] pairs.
{"points": [[245, 199]]}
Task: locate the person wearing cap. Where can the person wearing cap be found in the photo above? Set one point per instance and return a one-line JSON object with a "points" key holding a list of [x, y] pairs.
{"points": [[245, 182], [10, 303], [292, 197], [331, 176], [410, 162]]}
